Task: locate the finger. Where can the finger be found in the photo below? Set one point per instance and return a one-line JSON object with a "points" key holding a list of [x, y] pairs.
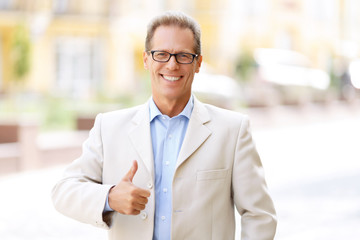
{"points": [[144, 193], [140, 192], [134, 212], [131, 173], [133, 170], [142, 200], [139, 206]]}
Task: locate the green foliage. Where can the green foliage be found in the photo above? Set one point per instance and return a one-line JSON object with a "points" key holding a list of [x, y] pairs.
{"points": [[55, 113], [58, 114], [245, 66], [20, 52]]}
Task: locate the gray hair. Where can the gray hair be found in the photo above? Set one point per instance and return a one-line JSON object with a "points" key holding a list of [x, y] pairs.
{"points": [[174, 18]]}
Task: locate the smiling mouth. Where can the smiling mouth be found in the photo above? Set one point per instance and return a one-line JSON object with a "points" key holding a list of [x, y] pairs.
{"points": [[170, 78]]}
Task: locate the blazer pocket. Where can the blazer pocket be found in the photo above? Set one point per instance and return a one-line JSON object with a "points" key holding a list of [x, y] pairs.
{"points": [[211, 174]]}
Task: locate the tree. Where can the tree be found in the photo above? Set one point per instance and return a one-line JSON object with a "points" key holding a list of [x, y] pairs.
{"points": [[20, 53]]}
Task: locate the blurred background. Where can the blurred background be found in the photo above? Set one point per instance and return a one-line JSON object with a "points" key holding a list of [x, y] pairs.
{"points": [[292, 65]]}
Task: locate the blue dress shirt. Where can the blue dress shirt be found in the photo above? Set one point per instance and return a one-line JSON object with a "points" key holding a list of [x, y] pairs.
{"points": [[167, 135]]}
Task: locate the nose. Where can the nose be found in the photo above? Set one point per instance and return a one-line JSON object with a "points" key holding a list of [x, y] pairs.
{"points": [[172, 64]]}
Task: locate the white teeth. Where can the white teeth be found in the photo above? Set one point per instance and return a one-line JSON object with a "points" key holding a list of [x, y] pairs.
{"points": [[169, 78]]}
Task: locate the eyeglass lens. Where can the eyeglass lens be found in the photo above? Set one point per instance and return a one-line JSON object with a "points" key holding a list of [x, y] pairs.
{"points": [[162, 56]]}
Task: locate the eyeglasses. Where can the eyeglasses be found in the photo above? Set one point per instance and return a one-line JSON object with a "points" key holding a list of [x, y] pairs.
{"points": [[182, 58]]}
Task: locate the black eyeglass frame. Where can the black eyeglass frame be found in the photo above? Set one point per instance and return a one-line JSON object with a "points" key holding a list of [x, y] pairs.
{"points": [[173, 54]]}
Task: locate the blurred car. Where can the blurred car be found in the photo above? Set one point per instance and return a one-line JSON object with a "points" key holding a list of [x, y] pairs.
{"points": [[354, 71], [350, 82], [216, 89], [291, 74]]}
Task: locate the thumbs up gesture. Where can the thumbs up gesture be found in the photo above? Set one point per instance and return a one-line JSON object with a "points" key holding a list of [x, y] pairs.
{"points": [[125, 197]]}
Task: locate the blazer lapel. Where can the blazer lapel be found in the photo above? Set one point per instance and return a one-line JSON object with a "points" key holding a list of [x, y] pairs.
{"points": [[140, 137], [196, 133]]}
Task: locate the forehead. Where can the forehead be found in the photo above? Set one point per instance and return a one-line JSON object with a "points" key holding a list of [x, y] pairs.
{"points": [[173, 38]]}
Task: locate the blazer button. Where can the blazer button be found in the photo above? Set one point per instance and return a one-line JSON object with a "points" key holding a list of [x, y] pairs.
{"points": [[143, 215], [150, 185]]}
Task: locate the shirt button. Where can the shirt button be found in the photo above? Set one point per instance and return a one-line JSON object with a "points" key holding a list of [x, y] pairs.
{"points": [[149, 185], [170, 136], [167, 163], [143, 215], [165, 190], [163, 218]]}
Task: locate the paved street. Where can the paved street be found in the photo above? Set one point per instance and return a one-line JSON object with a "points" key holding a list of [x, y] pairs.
{"points": [[312, 164], [313, 173]]}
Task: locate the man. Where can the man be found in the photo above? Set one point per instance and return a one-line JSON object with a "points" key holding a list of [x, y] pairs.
{"points": [[173, 168]]}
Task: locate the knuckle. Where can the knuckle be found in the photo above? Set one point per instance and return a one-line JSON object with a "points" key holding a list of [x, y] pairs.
{"points": [[133, 192], [134, 212], [126, 211], [130, 199], [133, 204]]}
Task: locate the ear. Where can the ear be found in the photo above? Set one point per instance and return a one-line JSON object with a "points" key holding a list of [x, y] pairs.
{"points": [[198, 64], [145, 59]]}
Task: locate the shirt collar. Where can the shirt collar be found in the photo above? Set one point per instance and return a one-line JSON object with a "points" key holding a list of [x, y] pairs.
{"points": [[186, 112]]}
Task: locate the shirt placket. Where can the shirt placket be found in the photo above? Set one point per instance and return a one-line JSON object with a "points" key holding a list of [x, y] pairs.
{"points": [[168, 166]]}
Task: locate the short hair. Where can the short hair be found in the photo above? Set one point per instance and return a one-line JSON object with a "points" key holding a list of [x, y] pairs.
{"points": [[174, 18]]}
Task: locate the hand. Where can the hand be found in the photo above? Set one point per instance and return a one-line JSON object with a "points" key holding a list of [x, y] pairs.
{"points": [[125, 197]]}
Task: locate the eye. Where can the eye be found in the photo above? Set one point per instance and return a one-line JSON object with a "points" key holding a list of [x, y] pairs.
{"points": [[185, 55], [161, 54]]}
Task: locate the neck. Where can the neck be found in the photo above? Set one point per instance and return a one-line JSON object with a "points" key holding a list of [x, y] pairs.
{"points": [[171, 107]]}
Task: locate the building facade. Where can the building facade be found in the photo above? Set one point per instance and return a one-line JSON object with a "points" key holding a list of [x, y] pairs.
{"points": [[80, 47]]}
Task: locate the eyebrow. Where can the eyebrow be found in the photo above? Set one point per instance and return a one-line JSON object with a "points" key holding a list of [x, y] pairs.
{"points": [[183, 51]]}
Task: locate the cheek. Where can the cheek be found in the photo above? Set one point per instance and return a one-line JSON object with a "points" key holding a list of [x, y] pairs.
{"points": [[190, 79], [153, 67]]}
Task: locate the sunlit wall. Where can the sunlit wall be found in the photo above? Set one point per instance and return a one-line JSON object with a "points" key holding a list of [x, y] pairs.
{"points": [[80, 48]]}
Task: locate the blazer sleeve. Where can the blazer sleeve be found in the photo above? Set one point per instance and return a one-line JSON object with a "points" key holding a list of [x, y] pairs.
{"points": [[251, 197], [80, 194]]}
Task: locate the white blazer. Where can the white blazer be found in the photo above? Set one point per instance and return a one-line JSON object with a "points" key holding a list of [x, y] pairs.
{"points": [[218, 168]]}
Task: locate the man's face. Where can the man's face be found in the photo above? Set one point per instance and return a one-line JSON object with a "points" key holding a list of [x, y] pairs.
{"points": [[171, 80]]}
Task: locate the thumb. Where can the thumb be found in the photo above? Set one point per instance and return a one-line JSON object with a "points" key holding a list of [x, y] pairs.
{"points": [[131, 173]]}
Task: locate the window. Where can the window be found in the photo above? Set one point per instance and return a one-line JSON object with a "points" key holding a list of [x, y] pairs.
{"points": [[78, 66], [11, 5], [254, 8], [60, 6], [351, 19], [321, 10], [5, 4]]}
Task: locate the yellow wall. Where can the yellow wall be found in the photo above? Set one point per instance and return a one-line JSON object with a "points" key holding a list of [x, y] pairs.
{"points": [[123, 35]]}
